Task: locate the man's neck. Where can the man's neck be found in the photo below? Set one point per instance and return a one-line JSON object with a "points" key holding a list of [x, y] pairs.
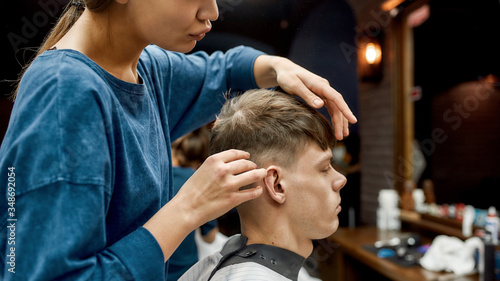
{"points": [[275, 233]]}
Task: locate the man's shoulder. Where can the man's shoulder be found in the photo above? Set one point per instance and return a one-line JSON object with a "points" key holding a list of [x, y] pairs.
{"points": [[247, 271], [240, 262], [202, 270]]}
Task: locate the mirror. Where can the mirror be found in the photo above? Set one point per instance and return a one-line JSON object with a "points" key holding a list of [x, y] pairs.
{"points": [[449, 98]]}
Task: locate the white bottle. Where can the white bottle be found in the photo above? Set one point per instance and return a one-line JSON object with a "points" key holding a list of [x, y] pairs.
{"points": [[492, 224], [419, 199], [468, 220], [388, 211]]}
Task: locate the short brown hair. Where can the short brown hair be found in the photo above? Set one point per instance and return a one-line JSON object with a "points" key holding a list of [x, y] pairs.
{"points": [[272, 126]]}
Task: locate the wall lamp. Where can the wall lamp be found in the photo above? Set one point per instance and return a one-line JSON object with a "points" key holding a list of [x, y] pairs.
{"points": [[370, 60], [373, 54]]}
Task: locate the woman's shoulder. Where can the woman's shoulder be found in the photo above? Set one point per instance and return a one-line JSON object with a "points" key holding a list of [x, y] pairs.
{"points": [[63, 82], [68, 67], [72, 75], [60, 73]]}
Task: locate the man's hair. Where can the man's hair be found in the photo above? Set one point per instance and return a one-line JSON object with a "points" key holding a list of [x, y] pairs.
{"points": [[272, 126]]}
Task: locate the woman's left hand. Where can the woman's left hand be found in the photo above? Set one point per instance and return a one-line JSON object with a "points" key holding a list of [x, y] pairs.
{"points": [[271, 71]]}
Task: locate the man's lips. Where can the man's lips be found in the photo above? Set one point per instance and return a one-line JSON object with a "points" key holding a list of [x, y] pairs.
{"points": [[339, 208]]}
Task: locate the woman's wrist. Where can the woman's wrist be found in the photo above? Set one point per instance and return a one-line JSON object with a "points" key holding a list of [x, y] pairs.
{"points": [[265, 71], [171, 224]]}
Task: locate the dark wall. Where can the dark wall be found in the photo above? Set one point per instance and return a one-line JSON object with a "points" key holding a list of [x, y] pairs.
{"points": [[23, 25], [465, 164], [309, 32]]}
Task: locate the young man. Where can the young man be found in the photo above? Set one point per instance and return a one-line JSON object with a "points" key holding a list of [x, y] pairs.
{"points": [[301, 199]]}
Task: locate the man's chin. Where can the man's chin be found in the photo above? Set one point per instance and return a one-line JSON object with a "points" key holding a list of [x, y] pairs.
{"points": [[327, 232]]}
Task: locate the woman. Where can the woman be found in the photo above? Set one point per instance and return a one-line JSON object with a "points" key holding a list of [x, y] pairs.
{"points": [[87, 148]]}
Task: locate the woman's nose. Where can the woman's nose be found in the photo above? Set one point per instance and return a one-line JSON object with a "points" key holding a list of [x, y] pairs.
{"points": [[209, 11]]}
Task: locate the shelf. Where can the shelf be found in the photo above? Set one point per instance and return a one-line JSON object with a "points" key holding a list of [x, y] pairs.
{"points": [[437, 225]]}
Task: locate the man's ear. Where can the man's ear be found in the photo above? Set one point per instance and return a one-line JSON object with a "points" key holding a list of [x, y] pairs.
{"points": [[273, 185]]}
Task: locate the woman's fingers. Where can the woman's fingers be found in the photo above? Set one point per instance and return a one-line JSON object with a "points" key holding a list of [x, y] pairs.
{"points": [[241, 172], [322, 88], [232, 170], [247, 194], [346, 127], [234, 163], [231, 155], [338, 122], [317, 92], [299, 88], [248, 177]]}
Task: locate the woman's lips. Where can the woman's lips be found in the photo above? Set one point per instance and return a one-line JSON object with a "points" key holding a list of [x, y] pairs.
{"points": [[197, 37], [200, 35]]}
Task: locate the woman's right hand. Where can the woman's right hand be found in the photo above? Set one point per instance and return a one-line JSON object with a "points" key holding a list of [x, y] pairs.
{"points": [[213, 190]]}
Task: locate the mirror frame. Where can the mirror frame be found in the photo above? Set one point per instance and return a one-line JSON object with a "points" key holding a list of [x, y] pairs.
{"points": [[402, 83]]}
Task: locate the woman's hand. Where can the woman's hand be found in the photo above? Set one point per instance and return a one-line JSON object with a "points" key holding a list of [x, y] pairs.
{"points": [[211, 191], [270, 71], [214, 188]]}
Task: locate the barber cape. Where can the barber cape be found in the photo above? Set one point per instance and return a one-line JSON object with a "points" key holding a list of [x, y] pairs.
{"points": [[240, 262]]}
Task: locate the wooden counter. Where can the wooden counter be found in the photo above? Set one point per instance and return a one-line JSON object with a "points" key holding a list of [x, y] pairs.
{"points": [[351, 262]]}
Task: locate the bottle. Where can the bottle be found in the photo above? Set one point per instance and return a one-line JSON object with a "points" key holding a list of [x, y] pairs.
{"points": [[468, 220], [492, 224], [488, 273], [388, 211]]}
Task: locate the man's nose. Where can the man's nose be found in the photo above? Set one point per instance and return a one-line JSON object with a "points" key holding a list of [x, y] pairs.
{"points": [[339, 181]]}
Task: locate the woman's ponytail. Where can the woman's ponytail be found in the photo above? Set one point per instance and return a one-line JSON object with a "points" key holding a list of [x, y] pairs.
{"points": [[70, 15], [68, 18]]}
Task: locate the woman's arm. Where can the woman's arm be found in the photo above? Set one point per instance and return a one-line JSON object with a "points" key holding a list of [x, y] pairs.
{"points": [[212, 191], [271, 71]]}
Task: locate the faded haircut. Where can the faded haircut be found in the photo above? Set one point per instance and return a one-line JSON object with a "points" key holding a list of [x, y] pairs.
{"points": [[272, 126]]}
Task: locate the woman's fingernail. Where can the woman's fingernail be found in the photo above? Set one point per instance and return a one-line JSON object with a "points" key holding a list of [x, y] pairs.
{"points": [[317, 102]]}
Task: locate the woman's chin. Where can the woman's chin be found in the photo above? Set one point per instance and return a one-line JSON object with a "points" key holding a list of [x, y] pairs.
{"points": [[184, 48]]}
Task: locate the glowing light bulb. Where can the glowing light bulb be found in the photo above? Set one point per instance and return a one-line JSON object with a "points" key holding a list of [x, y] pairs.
{"points": [[371, 53]]}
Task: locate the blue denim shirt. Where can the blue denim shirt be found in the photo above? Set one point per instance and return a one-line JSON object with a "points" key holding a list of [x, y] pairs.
{"points": [[90, 160]]}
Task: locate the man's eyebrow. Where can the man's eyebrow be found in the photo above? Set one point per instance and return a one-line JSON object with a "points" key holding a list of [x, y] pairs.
{"points": [[327, 158]]}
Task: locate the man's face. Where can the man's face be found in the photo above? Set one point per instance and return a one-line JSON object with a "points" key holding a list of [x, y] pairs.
{"points": [[313, 195]]}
